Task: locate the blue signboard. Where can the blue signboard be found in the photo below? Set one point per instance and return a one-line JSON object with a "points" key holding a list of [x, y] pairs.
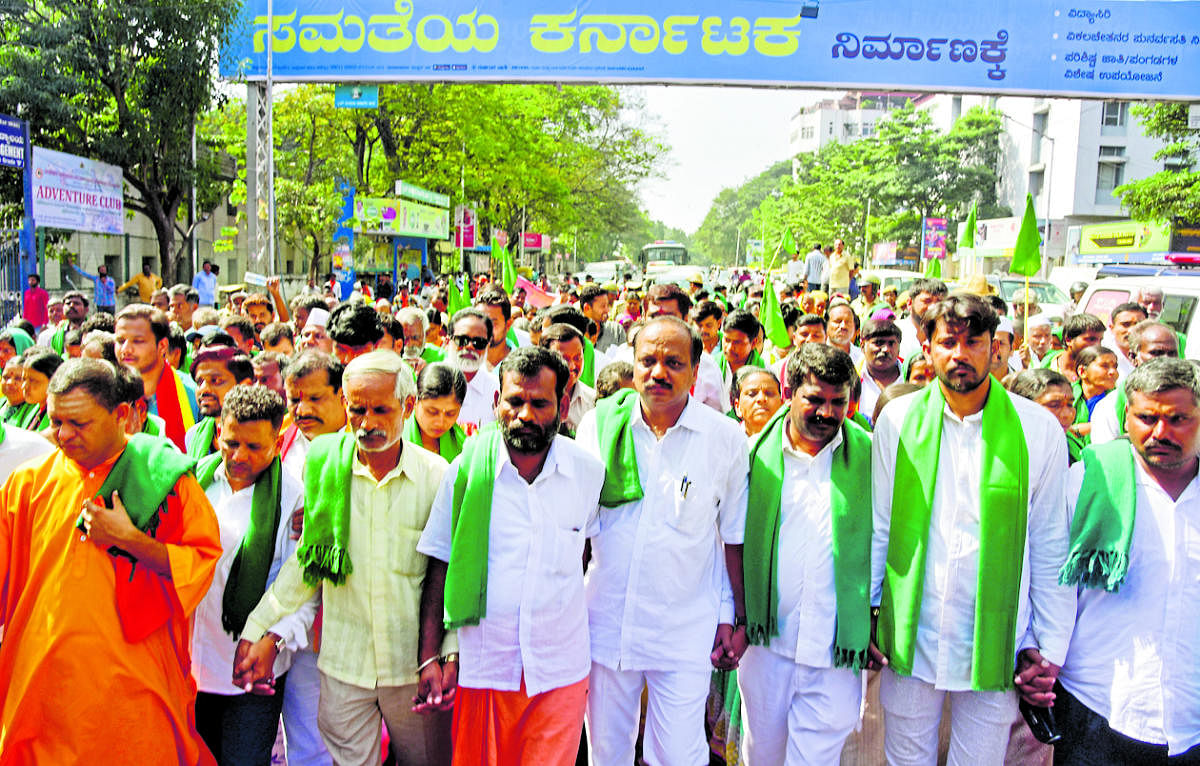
{"points": [[1113, 48], [356, 97], [12, 143]]}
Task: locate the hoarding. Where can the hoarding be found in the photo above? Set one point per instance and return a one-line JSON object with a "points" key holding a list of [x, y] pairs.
{"points": [[1124, 237], [76, 193], [400, 217]]}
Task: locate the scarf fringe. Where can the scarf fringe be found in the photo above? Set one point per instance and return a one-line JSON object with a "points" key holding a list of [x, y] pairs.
{"points": [[855, 659], [1095, 569], [759, 634], [325, 562]]}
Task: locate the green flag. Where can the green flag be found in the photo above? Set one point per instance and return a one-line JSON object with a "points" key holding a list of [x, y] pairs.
{"points": [[1027, 254], [509, 280], [968, 239], [457, 300], [789, 242], [933, 268], [772, 318]]}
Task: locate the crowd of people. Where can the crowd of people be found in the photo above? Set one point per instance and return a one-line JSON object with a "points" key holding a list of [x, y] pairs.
{"points": [[447, 525]]}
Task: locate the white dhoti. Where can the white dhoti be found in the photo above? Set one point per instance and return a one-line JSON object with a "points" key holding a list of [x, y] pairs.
{"points": [[674, 716], [795, 714]]}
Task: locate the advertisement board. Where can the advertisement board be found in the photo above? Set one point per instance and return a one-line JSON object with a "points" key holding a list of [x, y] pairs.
{"points": [[1121, 238], [933, 238], [1109, 48], [76, 193], [12, 143], [531, 241], [402, 217]]}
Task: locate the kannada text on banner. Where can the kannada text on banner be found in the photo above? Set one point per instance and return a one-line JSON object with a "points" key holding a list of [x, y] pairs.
{"points": [[1110, 47]]}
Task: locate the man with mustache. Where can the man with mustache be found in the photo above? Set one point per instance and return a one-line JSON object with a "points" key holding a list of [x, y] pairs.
{"points": [[1126, 694], [216, 370], [925, 293], [254, 499], [881, 367], [513, 509], [664, 592], [969, 533], [470, 337], [367, 496], [567, 342], [807, 561], [1148, 340]]}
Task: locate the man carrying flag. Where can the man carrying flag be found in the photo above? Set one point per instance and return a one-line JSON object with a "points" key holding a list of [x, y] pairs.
{"points": [[106, 547], [807, 562], [254, 500], [514, 509], [141, 332], [969, 531]]}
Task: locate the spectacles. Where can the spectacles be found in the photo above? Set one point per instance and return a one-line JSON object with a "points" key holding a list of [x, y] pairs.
{"points": [[462, 341]]}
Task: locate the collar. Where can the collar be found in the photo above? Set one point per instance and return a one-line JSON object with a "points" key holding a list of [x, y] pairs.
{"points": [[1148, 482], [403, 466], [554, 462], [791, 450], [691, 418]]}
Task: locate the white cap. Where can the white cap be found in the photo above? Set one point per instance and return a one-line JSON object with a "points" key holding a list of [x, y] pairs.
{"points": [[1006, 325], [318, 318], [1038, 320]]}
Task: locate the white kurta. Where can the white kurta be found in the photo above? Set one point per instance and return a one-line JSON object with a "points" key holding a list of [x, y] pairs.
{"points": [[945, 628], [1132, 655], [536, 621], [479, 406]]}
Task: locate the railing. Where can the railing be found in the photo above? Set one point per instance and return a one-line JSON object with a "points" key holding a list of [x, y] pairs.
{"points": [[10, 274]]}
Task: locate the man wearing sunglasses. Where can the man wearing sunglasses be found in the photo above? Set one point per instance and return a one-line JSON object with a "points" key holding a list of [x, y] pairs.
{"points": [[470, 336]]}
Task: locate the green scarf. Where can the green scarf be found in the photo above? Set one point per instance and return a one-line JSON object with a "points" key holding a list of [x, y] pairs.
{"points": [[328, 471], [1075, 447], [21, 340], [1047, 362], [1081, 408], [33, 418], [17, 415], [614, 432], [58, 341], [202, 439], [252, 564], [850, 507], [1102, 527], [1121, 406], [861, 420], [754, 360], [471, 518], [143, 476], [588, 375], [450, 444], [1003, 509]]}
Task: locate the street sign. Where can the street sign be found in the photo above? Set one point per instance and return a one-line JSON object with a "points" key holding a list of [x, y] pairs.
{"points": [[356, 96], [12, 143], [405, 189]]}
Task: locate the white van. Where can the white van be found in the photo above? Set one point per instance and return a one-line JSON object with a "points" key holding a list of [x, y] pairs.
{"points": [[1181, 295]]}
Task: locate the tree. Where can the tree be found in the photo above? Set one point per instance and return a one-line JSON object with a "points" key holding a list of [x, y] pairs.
{"points": [[1169, 193], [718, 237], [121, 82]]}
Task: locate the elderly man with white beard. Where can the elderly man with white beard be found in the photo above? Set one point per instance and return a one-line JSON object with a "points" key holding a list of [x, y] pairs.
{"points": [[466, 349]]}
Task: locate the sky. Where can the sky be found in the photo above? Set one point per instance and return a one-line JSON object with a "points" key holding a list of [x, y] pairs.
{"points": [[718, 137]]}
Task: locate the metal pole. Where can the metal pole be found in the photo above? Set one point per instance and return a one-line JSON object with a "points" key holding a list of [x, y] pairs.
{"points": [[192, 244], [271, 259], [1049, 176]]}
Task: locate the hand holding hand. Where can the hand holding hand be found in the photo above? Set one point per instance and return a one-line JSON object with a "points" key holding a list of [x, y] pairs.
{"points": [[254, 665], [1035, 678]]}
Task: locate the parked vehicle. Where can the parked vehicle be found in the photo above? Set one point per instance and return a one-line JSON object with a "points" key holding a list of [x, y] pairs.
{"points": [[1181, 294]]}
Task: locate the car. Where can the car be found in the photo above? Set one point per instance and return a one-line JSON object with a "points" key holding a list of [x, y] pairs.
{"points": [[899, 278], [1050, 299], [1181, 295]]}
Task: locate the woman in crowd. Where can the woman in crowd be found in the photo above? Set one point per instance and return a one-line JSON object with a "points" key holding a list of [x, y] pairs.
{"points": [[756, 397], [1053, 391], [39, 367], [441, 390]]}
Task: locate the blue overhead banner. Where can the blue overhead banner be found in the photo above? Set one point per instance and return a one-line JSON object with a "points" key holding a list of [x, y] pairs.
{"points": [[1128, 48]]}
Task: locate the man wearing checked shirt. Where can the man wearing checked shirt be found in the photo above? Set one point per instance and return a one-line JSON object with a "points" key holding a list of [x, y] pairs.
{"points": [[368, 657]]}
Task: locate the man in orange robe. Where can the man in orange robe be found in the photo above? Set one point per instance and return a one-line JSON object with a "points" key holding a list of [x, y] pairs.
{"points": [[94, 665]]}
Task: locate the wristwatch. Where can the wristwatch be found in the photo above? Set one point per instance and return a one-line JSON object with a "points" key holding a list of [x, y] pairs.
{"points": [[279, 644], [451, 657], [739, 622]]}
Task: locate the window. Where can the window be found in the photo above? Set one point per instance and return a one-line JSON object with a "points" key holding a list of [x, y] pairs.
{"points": [[1036, 181], [1114, 114], [808, 132], [1110, 173], [1177, 164], [849, 129], [868, 129]]}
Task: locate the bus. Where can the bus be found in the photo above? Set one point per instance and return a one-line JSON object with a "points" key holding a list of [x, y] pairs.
{"points": [[674, 252]]}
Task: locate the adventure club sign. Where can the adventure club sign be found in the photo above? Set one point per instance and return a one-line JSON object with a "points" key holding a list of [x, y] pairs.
{"points": [[1111, 47]]}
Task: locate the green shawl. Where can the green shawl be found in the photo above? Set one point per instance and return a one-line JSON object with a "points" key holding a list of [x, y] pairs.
{"points": [[1047, 361], [850, 507], [754, 360], [143, 491], [202, 438], [450, 444], [21, 340], [588, 375], [252, 564], [1081, 408], [33, 417], [1120, 406], [17, 415], [1003, 509], [328, 470], [470, 523], [1102, 527], [614, 432]]}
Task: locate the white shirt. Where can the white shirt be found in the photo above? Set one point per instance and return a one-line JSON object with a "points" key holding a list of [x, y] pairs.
{"points": [[297, 455], [1104, 420], [807, 596], [871, 391], [583, 401], [536, 620], [795, 271], [212, 648], [657, 584], [479, 406], [814, 268], [20, 446], [1133, 653], [945, 627], [910, 338], [710, 388]]}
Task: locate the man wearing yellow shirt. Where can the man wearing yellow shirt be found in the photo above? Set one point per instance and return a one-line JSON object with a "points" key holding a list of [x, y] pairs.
{"points": [[368, 494], [146, 283]]}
